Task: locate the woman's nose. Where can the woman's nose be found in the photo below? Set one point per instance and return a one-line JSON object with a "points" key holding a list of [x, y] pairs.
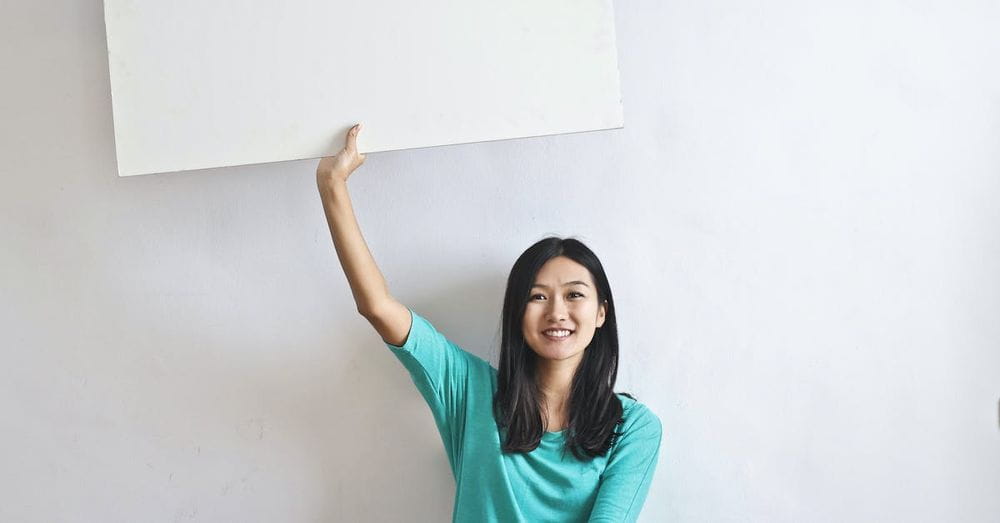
{"points": [[557, 309]]}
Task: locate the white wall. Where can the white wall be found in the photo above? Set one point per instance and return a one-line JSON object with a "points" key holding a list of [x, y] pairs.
{"points": [[799, 221]]}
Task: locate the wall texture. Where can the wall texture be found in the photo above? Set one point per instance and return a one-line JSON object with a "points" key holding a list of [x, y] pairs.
{"points": [[799, 221]]}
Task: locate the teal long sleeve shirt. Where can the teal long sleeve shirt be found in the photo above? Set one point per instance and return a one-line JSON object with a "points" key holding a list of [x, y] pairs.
{"points": [[544, 485]]}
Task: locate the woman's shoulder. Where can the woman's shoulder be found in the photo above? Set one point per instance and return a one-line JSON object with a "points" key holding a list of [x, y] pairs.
{"points": [[424, 332], [637, 415], [630, 402]]}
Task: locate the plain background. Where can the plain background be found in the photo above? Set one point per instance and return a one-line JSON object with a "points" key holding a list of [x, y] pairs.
{"points": [[799, 221]]}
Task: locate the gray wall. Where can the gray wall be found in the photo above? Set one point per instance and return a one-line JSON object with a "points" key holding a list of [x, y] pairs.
{"points": [[799, 221]]}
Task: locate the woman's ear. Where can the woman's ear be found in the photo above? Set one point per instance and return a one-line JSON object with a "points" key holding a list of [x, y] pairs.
{"points": [[601, 312]]}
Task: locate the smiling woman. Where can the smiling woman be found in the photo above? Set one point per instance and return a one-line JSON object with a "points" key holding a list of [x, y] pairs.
{"points": [[507, 430], [558, 324], [546, 380]]}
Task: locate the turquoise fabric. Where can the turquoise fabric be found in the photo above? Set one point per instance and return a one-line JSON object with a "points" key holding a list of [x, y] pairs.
{"points": [[544, 485]]}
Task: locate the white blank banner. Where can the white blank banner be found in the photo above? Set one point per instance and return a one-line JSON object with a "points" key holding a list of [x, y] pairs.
{"points": [[198, 85]]}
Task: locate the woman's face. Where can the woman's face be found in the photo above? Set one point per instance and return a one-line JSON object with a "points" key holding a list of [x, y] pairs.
{"points": [[564, 297]]}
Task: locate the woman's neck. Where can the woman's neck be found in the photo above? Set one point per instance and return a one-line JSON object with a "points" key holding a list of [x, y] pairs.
{"points": [[555, 380]]}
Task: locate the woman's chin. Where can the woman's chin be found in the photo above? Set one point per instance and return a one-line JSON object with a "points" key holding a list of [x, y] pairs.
{"points": [[559, 353]]}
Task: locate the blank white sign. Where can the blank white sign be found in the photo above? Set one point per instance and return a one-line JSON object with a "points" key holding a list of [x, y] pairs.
{"points": [[200, 84]]}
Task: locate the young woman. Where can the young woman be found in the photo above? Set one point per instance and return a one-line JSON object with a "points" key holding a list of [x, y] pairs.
{"points": [[507, 431]]}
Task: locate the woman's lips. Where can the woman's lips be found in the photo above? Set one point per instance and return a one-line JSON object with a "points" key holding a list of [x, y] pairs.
{"points": [[557, 338]]}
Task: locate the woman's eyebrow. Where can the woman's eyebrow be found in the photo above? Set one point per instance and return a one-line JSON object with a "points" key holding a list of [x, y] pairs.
{"points": [[564, 285]]}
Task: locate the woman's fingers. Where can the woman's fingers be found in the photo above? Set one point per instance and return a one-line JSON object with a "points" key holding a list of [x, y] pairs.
{"points": [[352, 137]]}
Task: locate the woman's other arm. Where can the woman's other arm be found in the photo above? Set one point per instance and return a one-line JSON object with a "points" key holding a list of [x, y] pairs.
{"points": [[371, 294], [629, 472]]}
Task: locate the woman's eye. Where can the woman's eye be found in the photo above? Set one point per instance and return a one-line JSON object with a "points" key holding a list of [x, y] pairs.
{"points": [[572, 294]]}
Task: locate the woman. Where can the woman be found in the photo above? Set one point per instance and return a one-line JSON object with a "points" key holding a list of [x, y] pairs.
{"points": [[506, 431]]}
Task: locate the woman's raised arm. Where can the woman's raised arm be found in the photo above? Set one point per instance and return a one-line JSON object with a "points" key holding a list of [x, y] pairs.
{"points": [[371, 294]]}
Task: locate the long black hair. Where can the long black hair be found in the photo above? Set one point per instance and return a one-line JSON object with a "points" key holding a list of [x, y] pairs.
{"points": [[594, 409]]}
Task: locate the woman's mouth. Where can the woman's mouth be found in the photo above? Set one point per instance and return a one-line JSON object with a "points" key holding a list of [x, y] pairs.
{"points": [[557, 334]]}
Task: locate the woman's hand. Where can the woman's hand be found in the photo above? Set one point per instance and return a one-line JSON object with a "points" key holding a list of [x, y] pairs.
{"points": [[338, 168]]}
